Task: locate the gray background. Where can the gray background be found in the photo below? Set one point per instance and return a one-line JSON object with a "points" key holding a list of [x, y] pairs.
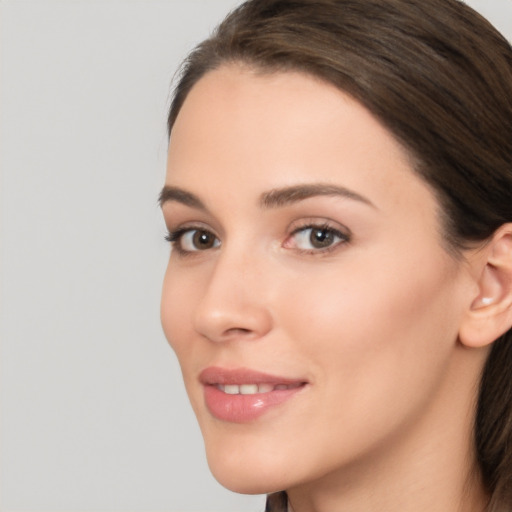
{"points": [[93, 412]]}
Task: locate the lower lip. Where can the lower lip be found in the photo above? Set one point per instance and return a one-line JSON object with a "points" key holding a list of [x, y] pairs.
{"points": [[244, 408]]}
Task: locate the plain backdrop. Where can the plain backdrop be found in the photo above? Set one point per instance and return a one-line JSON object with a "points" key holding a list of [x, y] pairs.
{"points": [[93, 412]]}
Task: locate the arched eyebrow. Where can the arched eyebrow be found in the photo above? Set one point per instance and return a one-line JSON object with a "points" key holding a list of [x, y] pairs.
{"points": [[181, 196], [275, 198], [280, 197]]}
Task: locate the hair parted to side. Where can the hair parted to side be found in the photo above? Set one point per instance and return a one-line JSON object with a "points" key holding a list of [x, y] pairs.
{"points": [[439, 77]]}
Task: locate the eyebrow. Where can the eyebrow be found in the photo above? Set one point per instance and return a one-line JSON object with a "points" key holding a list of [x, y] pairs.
{"points": [[279, 197], [181, 196], [275, 198]]}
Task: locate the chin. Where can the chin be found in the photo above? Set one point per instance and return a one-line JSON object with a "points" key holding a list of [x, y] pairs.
{"points": [[248, 482], [243, 471]]}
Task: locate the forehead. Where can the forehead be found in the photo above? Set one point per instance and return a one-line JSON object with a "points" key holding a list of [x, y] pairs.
{"points": [[243, 129]]}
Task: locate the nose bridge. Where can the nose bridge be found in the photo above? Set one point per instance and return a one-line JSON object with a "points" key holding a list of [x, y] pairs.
{"points": [[234, 303]]}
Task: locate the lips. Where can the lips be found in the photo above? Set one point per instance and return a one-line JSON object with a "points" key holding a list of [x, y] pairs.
{"points": [[242, 395]]}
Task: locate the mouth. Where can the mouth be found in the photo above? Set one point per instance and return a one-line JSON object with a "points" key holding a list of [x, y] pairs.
{"points": [[243, 395], [253, 389]]}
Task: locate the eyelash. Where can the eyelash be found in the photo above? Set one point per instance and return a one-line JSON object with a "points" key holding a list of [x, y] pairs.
{"points": [[176, 238], [343, 237]]}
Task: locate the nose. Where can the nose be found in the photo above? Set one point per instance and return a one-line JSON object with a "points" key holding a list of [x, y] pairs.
{"points": [[235, 302]]}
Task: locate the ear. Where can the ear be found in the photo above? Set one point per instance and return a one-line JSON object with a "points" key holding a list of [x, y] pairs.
{"points": [[490, 313]]}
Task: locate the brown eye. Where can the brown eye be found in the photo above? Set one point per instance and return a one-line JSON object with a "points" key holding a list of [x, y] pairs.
{"points": [[321, 238], [317, 238], [194, 240], [202, 240]]}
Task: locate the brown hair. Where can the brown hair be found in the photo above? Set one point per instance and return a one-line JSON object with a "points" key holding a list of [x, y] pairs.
{"points": [[439, 77]]}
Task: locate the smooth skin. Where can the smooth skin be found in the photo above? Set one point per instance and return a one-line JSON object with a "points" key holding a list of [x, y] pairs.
{"points": [[367, 307]]}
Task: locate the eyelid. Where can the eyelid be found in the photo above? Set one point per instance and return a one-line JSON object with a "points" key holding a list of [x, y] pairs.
{"points": [[177, 227], [319, 222], [339, 230], [175, 236]]}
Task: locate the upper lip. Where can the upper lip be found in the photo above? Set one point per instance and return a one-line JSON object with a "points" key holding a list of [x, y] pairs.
{"points": [[216, 375]]}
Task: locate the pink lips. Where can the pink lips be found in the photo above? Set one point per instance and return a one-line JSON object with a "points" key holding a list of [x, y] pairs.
{"points": [[243, 395]]}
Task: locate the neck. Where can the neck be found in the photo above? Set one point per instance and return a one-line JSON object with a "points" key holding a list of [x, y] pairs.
{"points": [[430, 465]]}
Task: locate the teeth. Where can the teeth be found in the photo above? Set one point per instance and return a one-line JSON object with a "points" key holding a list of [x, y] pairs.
{"points": [[252, 389], [248, 389], [231, 389]]}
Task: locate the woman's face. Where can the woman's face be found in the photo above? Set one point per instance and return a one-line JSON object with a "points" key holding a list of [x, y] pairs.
{"points": [[308, 296]]}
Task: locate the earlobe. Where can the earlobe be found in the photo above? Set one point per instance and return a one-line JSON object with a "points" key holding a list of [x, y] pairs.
{"points": [[490, 312]]}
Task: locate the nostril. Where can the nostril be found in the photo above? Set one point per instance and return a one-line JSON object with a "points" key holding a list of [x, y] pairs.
{"points": [[238, 331]]}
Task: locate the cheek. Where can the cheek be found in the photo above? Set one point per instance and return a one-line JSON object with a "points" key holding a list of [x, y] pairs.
{"points": [[368, 328], [179, 294], [373, 345]]}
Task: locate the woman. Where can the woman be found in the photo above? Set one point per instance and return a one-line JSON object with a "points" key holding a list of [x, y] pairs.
{"points": [[339, 292]]}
